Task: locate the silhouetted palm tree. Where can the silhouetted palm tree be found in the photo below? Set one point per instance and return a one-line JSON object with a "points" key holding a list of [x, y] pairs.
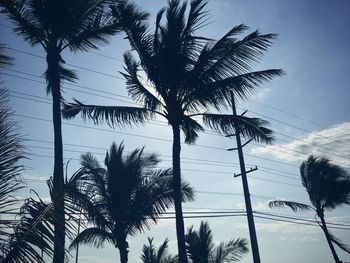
{"points": [[188, 75], [150, 254], [56, 25], [328, 186], [201, 249], [125, 198]]}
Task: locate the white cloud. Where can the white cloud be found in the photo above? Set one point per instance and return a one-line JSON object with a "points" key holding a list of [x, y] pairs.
{"points": [[332, 143]]}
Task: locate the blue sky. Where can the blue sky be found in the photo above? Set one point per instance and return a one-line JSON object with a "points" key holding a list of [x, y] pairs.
{"points": [[312, 116]]}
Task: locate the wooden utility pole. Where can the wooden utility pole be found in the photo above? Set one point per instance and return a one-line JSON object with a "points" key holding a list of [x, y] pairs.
{"points": [[248, 205]]}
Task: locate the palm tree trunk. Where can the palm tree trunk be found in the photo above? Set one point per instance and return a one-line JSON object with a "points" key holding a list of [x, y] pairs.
{"points": [[123, 250], [180, 229], [330, 244], [54, 82]]}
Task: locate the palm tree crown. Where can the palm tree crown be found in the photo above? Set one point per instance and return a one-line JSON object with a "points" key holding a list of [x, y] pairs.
{"points": [[328, 186], [125, 198], [201, 248], [152, 255]]}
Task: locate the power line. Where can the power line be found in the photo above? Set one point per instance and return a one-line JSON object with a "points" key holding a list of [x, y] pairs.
{"points": [[184, 169], [68, 64], [294, 126], [149, 137], [290, 114], [109, 75], [133, 103], [163, 125]]}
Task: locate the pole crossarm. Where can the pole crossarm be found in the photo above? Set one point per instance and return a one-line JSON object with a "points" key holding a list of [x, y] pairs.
{"points": [[246, 172], [233, 149]]}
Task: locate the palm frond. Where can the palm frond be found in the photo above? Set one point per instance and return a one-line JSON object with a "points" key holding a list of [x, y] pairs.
{"points": [[295, 206], [190, 128], [25, 23], [4, 59], [232, 251], [30, 235], [112, 115], [92, 236], [134, 23], [136, 89], [12, 152], [339, 243], [250, 128], [93, 31], [217, 92], [199, 243]]}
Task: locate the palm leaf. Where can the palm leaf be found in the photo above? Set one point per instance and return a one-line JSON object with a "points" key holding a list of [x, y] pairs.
{"points": [[216, 92], [253, 128], [4, 59], [295, 206], [92, 236], [337, 241], [30, 235], [190, 128], [25, 23], [12, 152], [229, 252], [138, 91], [94, 31], [112, 115]]}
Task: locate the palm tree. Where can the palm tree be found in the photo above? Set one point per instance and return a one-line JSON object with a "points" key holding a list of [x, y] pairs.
{"points": [[126, 198], [201, 248], [328, 186], [188, 75], [152, 255], [56, 25]]}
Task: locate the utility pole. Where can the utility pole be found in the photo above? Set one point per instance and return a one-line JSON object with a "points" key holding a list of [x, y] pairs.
{"points": [[248, 205]]}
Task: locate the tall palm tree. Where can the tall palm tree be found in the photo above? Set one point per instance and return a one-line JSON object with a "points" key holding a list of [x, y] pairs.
{"points": [[150, 254], [56, 25], [328, 186], [188, 75], [201, 248], [125, 198]]}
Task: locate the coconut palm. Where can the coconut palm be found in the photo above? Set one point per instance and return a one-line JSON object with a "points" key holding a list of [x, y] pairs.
{"points": [[125, 198], [56, 25], [201, 249], [328, 186], [188, 75], [150, 254]]}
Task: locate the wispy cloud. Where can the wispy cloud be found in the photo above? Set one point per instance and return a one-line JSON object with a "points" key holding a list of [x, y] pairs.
{"points": [[332, 143]]}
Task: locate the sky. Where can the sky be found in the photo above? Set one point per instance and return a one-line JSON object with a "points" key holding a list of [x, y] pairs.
{"points": [[308, 109]]}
